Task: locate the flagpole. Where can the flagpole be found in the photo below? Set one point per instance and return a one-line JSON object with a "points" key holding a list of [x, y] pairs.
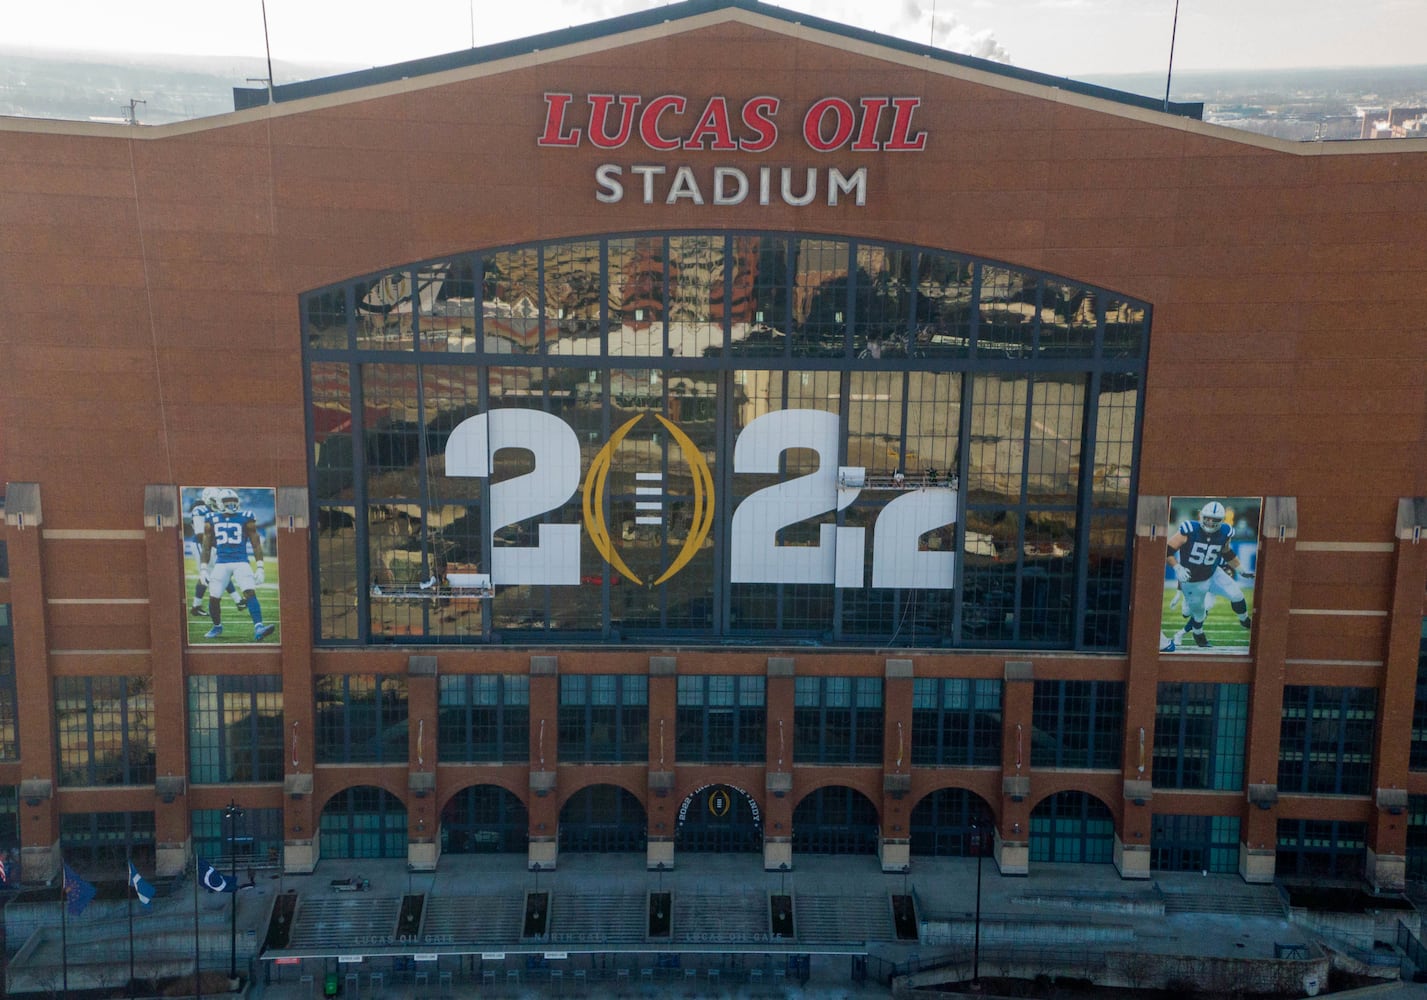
{"points": [[64, 923], [129, 905], [1169, 73], [197, 974]]}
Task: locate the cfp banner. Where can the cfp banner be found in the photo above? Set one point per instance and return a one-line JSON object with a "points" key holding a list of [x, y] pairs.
{"points": [[838, 556]]}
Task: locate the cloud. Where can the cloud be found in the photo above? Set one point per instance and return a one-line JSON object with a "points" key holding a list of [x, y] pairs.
{"points": [[922, 21]]}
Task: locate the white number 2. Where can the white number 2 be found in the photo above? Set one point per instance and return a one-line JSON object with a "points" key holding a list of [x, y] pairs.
{"points": [[754, 553], [471, 451]]}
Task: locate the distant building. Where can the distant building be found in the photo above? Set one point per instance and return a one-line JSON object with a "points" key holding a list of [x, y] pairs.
{"points": [[1393, 123]]}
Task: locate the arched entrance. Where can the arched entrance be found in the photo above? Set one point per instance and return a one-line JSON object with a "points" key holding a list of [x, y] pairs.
{"points": [[835, 820], [602, 818], [720, 818], [941, 822], [363, 822], [1072, 826], [484, 819]]}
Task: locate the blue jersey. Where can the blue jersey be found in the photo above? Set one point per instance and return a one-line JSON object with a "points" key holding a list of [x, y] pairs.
{"points": [[230, 536], [1203, 550]]}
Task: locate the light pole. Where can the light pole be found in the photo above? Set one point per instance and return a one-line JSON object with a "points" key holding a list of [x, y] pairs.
{"points": [[231, 812], [976, 939]]}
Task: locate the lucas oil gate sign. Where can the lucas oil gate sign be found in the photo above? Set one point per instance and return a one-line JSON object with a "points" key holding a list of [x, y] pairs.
{"points": [[670, 123]]}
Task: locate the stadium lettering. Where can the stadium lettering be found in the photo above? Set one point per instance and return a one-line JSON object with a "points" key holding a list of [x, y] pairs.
{"points": [[731, 185], [670, 122]]}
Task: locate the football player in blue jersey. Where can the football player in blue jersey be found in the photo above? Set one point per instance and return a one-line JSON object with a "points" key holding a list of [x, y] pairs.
{"points": [[198, 519], [1202, 558], [227, 535]]}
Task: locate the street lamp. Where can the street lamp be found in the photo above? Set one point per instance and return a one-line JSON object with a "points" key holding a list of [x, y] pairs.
{"points": [[976, 940], [231, 812]]}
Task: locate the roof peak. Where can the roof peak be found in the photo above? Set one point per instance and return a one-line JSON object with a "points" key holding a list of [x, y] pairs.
{"points": [[250, 97]]}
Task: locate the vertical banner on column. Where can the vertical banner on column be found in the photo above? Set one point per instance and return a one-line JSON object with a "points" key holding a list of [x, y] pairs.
{"points": [[1211, 567], [230, 564]]}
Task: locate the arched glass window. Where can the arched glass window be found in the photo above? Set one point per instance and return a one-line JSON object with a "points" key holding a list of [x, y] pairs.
{"points": [[721, 438]]}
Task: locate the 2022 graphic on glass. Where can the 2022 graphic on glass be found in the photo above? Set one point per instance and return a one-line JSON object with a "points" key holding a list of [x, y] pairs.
{"points": [[899, 554]]}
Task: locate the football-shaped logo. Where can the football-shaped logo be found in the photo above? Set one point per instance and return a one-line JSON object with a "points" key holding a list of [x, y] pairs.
{"points": [[650, 505]]}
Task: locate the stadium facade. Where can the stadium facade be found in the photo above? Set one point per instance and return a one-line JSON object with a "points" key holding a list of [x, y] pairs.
{"points": [[713, 429]]}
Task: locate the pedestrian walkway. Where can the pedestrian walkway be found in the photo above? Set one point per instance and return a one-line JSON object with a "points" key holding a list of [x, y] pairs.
{"points": [[844, 942]]}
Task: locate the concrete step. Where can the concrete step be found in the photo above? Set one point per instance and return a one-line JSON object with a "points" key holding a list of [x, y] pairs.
{"points": [[726, 917], [359, 916], [842, 919], [617, 918], [473, 919], [1268, 904]]}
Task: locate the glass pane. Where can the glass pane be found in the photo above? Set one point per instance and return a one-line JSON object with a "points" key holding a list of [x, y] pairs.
{"points": [[326, 319], [944, 304], [762, 263], [635, 278], [1068, 320], [698, 300], [572, 298], [385, 309], [446, 319], [510, 302], [821, 297], [1009, 313]]}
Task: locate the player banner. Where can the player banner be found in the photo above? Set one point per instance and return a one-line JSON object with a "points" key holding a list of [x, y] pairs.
{"points": [[230, 564], [1210, 571]]}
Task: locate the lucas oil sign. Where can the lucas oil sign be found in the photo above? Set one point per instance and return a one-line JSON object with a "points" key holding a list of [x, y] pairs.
{"points": [[667, 124]]}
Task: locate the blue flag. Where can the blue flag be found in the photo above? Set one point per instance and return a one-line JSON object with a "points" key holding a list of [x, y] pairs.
{"points": [[213, 880], [142, 888], [77, 892]]}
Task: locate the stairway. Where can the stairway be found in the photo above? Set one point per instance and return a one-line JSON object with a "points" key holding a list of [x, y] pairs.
{"points": [[843, 919], [1265, 904]]}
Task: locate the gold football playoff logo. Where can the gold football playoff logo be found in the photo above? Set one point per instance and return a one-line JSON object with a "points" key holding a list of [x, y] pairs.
{"points": [[593, 497]]}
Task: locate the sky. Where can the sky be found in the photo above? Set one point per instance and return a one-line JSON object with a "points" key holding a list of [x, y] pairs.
{"points": [[1073, 38]]}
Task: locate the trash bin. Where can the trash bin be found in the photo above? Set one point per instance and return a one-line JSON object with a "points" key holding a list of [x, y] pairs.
{"points": [[329, 985]]}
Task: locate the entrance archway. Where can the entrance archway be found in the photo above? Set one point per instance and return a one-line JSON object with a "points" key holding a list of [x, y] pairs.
{"points": [[719, 818], [363, 822], [602, 818], [484, 819], [941, 822], [835, 820], [1073, 826]]}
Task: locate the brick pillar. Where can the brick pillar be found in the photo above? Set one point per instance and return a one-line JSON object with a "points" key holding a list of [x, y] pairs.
{"points": [[424, 802], [663, 712], [1273, 588], [1132, 839], [1387, 834], [1013, 838], [168, 629], [544, 802], [895, 842], [38, 814], [778, 818], [300, 840]]}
